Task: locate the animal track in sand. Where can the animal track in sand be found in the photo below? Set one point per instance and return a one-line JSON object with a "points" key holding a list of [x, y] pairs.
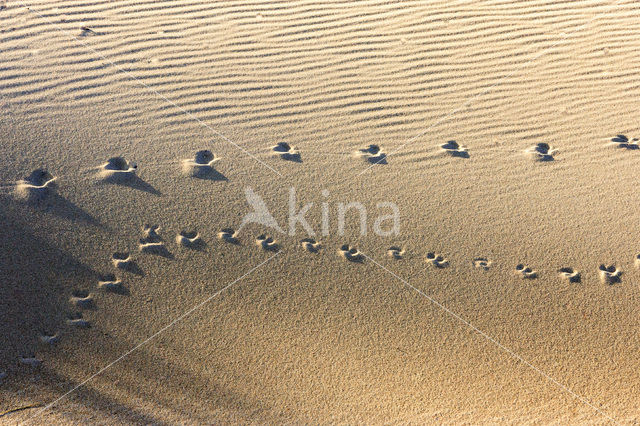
{"points": [[110, 283], [525, 272], [351, 253], [542, 152], [229, 235], [152, 243], [190, 239], [609, 274], [373, 154], [36, 186], [117, 169], [569, 274], [48, 339], [29, 360], [311, 245], [287, 152], [637, 260], [482, 263], [267, 243], [454, 149], [395, 252], [622, 141], [82, 299], [75, 320], [201, 166], [121, 260], [436, 260], [124, 262]]}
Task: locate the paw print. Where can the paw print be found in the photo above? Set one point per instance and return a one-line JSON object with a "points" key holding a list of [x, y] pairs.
{"points": [[525, 272], [542, 152], [437, 260], [609, 274], [454, 149]]}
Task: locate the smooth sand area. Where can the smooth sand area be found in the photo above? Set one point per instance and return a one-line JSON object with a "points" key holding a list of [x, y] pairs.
{"points": [[136, 135]]}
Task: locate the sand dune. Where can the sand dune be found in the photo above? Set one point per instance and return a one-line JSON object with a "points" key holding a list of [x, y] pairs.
{"points": [[134, 134]]}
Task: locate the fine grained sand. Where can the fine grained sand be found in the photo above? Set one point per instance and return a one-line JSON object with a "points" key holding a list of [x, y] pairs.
{"points": [[489, 124]]}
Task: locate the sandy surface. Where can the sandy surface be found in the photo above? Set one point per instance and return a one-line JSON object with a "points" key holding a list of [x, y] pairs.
{"points": [[243, 334]]}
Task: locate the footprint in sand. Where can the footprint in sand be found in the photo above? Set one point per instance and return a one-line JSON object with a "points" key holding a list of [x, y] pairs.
{"points": [[395, 252], [47, 339], [201, 166], [29, 360], [569, 274], [121, 260], [310, 245], [110, 283], [637, 260], [36, 186], [267, 243], [437, 260], [482, 263], [525, 272], [454, 149], [75, 320], [189, 239], [609, 274], [287, 152], [373, 154], [229, 235], [621, 141], [351, 254], [124, 262], [541, 152], [82, 299], [117, 169], [152, 243]]}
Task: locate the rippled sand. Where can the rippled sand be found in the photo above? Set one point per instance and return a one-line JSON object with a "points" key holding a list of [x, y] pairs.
{"points": [[503, 131]]}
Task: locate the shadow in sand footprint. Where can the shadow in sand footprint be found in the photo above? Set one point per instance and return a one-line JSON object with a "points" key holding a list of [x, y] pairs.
{"points": [[525, 272], [395, 252], [81, 299], [39, 185], [310, 245], [287, 152], [541, 152], [373, 154], [267, 243], [229, 235], [201, 166], [351, 254], [569, 274], [44, 198], [152, 243], [482, 263], [622, 141], [49, 339], [454, 149], [437, 260], [190, 239], [609, 274], [119, 171], [109, 283], [75, 320], [29, 360], [124, 262]]}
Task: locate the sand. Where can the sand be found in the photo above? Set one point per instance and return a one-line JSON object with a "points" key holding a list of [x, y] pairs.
{"points": [[133, 132]]}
